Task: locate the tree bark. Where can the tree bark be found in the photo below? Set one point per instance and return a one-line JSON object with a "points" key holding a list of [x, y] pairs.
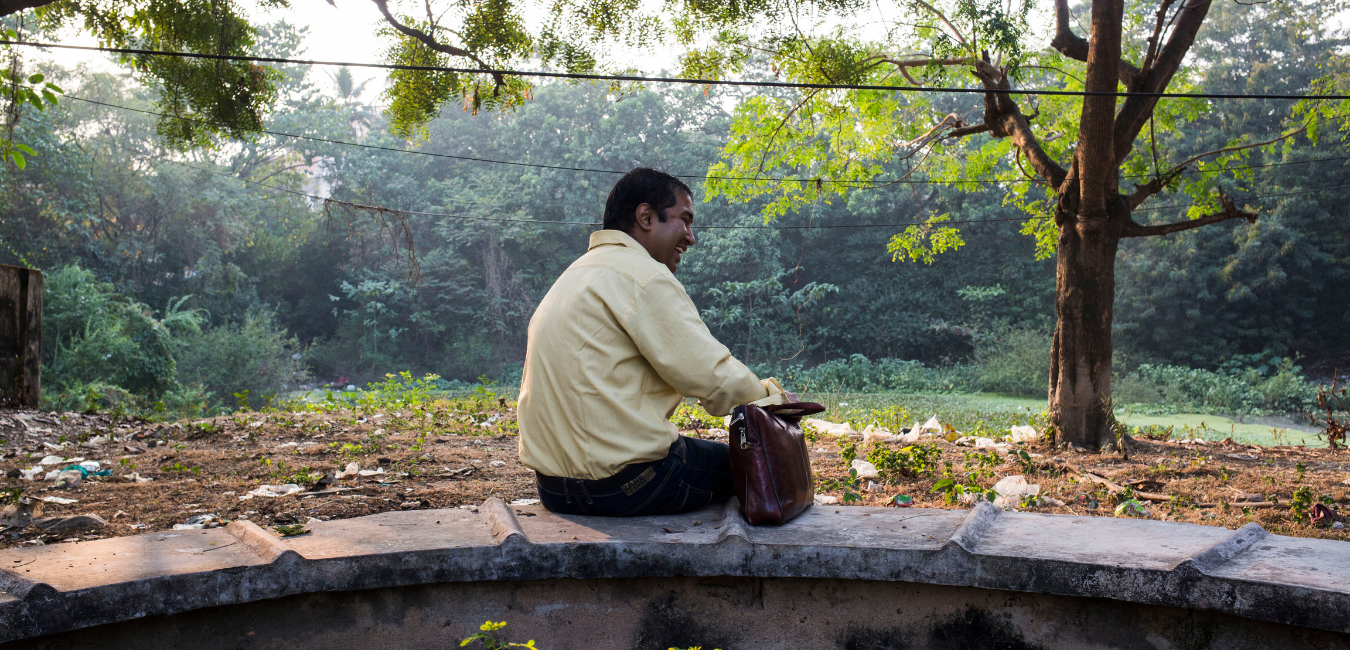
{"points": [[1080, 357]]}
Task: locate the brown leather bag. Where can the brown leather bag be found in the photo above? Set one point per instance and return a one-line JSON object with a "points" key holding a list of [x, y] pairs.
{"points": [[770, 466]]}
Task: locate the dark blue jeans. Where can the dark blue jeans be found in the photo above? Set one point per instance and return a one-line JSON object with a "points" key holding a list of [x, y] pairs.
{"points": [[694, 474]]}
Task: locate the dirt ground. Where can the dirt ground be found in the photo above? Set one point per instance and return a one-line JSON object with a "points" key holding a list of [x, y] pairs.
{"points": [[461, 453]]}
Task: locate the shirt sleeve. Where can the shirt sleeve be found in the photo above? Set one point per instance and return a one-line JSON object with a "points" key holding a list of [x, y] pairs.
{"points": [[667, 330]]}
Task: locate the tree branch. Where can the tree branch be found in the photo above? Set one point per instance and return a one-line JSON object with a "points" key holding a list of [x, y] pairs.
{"points": [[1229, 212], [1004, 119], [431, 42], [1136, 110], [903, 65], [8, 7], [1076, 47]]}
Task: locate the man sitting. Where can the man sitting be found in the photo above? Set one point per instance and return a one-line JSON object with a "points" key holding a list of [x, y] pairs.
{"points": [[612, 349]]}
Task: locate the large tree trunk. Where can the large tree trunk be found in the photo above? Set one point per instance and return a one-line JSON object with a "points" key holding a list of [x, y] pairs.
{"points": [[1080, 359]]}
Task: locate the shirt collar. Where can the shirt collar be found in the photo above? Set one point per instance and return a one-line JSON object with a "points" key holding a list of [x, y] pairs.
{"points": [[613, 238]]}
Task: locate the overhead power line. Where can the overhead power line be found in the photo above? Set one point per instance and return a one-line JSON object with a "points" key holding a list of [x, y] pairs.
{"points": [[864, 184], [665, 80]]}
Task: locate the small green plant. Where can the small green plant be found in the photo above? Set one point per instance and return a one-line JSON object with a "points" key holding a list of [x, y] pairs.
{"points": [[180, 468], [848, 451], [912, 461], [953, 487], [487, 633], [1301, 502], [1300, 468], [851, 487], [290, 530]]}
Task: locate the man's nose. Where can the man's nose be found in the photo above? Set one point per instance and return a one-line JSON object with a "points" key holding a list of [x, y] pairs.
{"points": [[690, 236]]}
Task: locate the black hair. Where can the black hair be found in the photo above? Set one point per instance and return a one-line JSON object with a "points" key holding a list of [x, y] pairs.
{"points": [[641, 185]]}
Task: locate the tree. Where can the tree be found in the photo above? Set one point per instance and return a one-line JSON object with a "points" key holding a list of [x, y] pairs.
{"points": [[1077, 150]]}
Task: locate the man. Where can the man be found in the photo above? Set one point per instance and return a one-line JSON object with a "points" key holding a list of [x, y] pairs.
{"points": [[612, 349]]}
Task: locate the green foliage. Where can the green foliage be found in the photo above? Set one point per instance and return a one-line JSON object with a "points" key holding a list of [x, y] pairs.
{"points": [[1279, 387], [1301, 503], [851, 486], [102, 337], [488, 635], [859, 374], [1014, 360], [254, 356], [908, 462]]}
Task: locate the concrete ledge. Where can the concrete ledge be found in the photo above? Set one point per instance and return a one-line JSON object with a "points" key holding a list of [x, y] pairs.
{"points": [[1246, 573]]}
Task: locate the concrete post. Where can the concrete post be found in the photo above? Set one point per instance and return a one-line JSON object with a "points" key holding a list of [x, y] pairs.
{"points": [[20, 336]]}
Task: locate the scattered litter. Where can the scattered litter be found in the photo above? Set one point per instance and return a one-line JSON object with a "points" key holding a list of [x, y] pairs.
{"points": [[1051, 501], [55, 447], [135, 477], [69, 478], [873, 486], [351, 470], [470, 508], [96, 441], [865, 469], [826, 500], [198, 522], [497, 463], [979, 442], [1337, 526], [901, 501], [830, 428], [1012, 489], [28, 474], [370, 472], [57, 460], [525, 502], [410, 505], [91, 465], [68, 523], [718, 433], [19, 515], [257, 425], [60, 500], [1132, 508], [276, 490], [288, 444], [932, 426], [1023, 434], [877, 434], [133, 450]]}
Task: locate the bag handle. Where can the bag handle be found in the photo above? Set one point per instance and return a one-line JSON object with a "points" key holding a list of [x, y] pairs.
{"points": [[795, 409]]}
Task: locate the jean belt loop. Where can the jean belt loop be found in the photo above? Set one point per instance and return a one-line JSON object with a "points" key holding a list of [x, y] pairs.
{"points": [[567, 492], [587, 494]]}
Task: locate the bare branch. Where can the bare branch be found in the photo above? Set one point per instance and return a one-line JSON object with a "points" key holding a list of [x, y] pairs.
{"points": [[1182, 165], [1230, 211], [1003, 119], [1136, 110], [1076, 47], [1160, 19], [940, 16], [431, 42]]}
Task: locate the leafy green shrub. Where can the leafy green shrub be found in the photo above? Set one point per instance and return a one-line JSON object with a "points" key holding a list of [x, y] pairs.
{"points": [[1278, 387], [1014, 361], [860, 374], [99, 337], [255, 355]]}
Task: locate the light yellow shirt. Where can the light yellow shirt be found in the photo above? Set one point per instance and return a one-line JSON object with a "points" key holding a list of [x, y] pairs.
{"points": [[611, 350]]}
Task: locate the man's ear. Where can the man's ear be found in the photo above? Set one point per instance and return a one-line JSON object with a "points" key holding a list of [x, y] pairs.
{"points": [[644, 217]]}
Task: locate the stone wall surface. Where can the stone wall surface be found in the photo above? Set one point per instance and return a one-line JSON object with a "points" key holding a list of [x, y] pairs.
{"points": [[848, 577]]}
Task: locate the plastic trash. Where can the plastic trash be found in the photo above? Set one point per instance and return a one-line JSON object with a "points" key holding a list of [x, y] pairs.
{"points": [[69, 478], [198, 522], [525, 502], [1011, 490], [497, 463], [351, 470], [57, 460], [370, 472], [91, 465], [276, 490], [136, 477], [1023, 434], [930, 427], [60, 500], [830, 428], [877, 434], [865, 469], [28, 474], [826, 500], [71, 522]]}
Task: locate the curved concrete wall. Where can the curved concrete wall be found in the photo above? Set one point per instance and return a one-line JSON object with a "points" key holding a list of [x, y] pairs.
{"points": [[844, 577]]}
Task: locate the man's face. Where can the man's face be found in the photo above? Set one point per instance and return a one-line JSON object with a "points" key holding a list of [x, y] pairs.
{"points": [[667, 240]]}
